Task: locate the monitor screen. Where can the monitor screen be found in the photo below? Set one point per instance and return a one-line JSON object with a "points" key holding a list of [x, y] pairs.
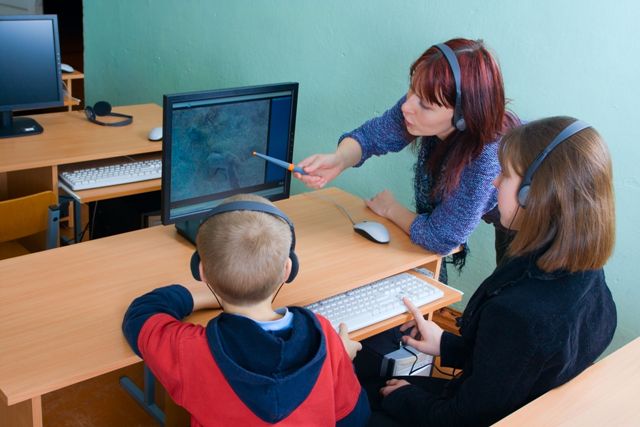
{"points": [[208, 143], [29, 70]]}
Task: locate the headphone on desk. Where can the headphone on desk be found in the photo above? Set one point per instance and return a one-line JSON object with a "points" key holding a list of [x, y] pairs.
{"points": [[458, 118], [254, 207], [566, 133], [103, 108]]}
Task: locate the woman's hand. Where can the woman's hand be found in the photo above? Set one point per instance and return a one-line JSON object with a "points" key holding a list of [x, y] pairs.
{"points": [[352, 347], [383, 203], [392, 385], [425, 335], [320, 169]]}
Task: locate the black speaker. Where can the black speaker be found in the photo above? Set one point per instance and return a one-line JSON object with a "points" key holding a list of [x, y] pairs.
{"points": [[103, 108], [458, 118], [254, 207]]}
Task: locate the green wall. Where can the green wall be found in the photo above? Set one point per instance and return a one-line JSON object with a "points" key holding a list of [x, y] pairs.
{"points": [[351, 60]]}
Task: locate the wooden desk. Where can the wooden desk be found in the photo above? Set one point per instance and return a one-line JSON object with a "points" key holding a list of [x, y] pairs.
{"points": [[603, 395], [29, 164], [62, 309]]}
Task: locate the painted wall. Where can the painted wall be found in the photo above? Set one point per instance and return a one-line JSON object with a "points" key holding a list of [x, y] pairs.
{"points": [[352, 58]]}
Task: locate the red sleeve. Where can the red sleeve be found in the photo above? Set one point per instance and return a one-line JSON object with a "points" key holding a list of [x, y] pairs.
{"points": [[161, 342], [346, 386]]}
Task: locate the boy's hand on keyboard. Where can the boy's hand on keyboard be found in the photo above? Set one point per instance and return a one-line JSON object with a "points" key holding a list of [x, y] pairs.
{"points": [[425, 335], [350, 345]]}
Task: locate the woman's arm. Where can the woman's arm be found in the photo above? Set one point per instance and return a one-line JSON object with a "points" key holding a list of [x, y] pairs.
{"points": [[377, 136], [382, 134], [454, 219], [322, 168]]}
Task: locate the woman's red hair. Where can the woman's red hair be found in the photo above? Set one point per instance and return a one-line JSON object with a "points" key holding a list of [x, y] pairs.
{"points": [[483, 105]]}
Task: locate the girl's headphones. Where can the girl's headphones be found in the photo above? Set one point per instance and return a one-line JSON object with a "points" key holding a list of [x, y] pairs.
{"points": [[254, 207], [103, 108], [566, 133]]}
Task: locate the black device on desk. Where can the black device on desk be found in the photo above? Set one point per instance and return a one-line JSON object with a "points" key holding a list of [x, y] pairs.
{"points": [[208, 141], [30, 76]]}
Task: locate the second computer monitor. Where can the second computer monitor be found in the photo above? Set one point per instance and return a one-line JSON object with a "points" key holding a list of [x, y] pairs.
{"points": [[29, 70], [208, 141]]}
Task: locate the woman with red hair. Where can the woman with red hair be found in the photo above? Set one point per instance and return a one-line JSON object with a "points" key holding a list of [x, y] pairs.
{"points": [[452, 115]]}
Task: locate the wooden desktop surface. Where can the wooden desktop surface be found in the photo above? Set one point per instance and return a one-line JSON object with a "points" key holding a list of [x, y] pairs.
{"points": [[62, 309], [603, 395], [69, 137]]}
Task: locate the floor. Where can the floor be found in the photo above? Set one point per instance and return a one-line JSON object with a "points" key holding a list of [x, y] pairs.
{"points": [[99, 402]]}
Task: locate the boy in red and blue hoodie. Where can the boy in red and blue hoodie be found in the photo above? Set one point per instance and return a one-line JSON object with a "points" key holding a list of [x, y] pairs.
{"points": [[251, 365]]}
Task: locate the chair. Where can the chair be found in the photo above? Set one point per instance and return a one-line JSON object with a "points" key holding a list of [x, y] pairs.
{"points": [[26, 216]]}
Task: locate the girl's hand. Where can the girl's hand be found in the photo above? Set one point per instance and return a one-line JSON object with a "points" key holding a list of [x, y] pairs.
{"points": [[425, 335], [392, 385]]}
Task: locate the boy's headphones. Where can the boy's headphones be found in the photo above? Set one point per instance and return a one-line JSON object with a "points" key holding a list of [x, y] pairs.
{"points": [[458, 118], [254, 207], [566, 133], [103, 108]]}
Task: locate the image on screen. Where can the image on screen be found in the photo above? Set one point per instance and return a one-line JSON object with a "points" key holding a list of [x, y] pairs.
{"points": [[226, 135]]}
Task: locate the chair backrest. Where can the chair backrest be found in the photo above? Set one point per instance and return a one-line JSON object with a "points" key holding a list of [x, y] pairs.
{"points": [[24, 216]]}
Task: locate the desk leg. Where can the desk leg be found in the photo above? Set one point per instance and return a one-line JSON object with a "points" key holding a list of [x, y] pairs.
{"points": [[146, 397], [27, 413], [77, 221]]}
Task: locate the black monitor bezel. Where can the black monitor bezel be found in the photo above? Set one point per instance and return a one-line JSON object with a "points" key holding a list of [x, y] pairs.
{"points": [[196, 96], [59, 102]]}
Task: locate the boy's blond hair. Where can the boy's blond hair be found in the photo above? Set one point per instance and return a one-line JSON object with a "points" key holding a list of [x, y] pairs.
{"points": [[570, 206], [243, 253]]}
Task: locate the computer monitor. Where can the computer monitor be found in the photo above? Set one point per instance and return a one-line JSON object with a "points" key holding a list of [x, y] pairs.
{"points": [[208, 141], [29, 70]]}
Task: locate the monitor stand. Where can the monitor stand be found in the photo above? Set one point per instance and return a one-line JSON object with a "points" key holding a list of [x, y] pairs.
{"points": [[17, 126], [188, 229]]}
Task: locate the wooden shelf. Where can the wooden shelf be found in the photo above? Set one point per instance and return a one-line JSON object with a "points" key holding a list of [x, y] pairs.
{"points": [[67, 79]]}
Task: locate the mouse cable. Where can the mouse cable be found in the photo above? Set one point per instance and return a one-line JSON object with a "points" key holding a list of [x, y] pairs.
{"points": [[334, 203]]}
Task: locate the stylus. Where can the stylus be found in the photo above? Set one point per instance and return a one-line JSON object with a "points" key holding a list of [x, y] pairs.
{"points": [[288, 166]]}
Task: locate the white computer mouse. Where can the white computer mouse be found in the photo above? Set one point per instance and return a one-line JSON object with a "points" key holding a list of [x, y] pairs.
{"points": [[66, 68], [373, 231], [155, 134]]}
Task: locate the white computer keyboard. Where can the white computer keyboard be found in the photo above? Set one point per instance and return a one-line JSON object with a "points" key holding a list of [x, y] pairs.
{"points": [[103, 176], [375, 301]]}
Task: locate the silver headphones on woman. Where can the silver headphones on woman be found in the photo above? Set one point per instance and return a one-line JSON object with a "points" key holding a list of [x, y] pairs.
{"points": [[566, 133]]}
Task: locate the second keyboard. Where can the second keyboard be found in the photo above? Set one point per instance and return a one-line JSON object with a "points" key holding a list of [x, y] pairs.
{"points": [[376, 301], [104, 176]]}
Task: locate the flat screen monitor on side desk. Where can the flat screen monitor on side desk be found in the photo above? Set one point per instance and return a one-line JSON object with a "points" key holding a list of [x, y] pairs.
{"points": [[30, 75], [208, 141]]}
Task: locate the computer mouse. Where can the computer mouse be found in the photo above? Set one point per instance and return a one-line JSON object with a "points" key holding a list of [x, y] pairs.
{"points": [[373, 231], [66, 68], [155, 134]]}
